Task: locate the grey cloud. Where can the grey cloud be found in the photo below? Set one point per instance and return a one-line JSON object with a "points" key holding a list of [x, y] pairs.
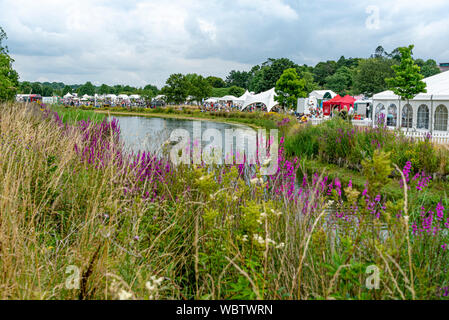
{"points": [[141, 42]]}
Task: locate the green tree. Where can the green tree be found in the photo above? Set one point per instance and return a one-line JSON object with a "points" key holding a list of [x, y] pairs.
{"points": [[36, 88], [87, 88], [310, 84], [289, 88], [236, 91], [407, 82], [117, 89], [47, 91], [104, 89], [238, 78], [9, 78], [340, 81], [67, 89], [25, 87], [176, 88], [323, 70], [152, 88], [216, 82], [200, 88], [428, 68], [369, 77], [147, 94], [350, 62], [266, 76]]}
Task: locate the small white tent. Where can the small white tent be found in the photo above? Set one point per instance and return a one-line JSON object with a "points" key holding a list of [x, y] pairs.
{"points": [[228, 98], [319, 94], [134, 96], [68, 95]]}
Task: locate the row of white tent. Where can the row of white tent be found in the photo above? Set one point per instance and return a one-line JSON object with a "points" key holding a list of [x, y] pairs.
{"points": [[248, 99], [101, 97]]}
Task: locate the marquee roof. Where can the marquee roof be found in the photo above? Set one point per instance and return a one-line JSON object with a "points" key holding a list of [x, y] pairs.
{"points": [[267, 98], [245, 96], [437, 88]]}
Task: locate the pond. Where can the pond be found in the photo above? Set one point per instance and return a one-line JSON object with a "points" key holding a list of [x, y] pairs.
{"points": [[150, 133]]}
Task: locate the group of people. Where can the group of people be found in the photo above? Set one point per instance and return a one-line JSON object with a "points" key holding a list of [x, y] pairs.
{"points": [[216, 106]]}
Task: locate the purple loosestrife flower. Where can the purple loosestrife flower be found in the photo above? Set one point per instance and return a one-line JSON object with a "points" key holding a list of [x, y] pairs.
{"points": [[440, 211], [407, 169]]}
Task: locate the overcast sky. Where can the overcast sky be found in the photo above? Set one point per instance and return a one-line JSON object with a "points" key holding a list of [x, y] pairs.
{"points": [[143, 41]]}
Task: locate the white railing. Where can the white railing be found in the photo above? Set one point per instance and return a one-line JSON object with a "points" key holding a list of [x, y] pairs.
{"points": [[435, 137]]}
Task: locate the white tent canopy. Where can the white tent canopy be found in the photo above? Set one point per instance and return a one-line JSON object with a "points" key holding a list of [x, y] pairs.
{"points": [[267, 98], [213, 100], [68, 95], [229, 98], [134, 96], [111, 96], [245, 96], [123, 96]]}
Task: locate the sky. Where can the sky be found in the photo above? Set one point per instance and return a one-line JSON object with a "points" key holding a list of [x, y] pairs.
{"points": [[141, 42]]}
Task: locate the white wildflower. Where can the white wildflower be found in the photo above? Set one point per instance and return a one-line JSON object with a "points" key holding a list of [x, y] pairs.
{"points": [[280, 245], [124, 295], [254, 181]]}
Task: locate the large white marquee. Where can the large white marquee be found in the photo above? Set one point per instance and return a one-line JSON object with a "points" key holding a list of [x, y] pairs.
{"points": [[426, 112], [267, 98]]}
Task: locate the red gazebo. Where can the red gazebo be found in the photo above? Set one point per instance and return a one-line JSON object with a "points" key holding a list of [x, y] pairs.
{"points": [[339, 102]]}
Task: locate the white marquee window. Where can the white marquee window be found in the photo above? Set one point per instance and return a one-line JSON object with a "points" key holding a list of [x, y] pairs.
{"points": [[380, 110], [441, 116], [392, 117], [407, 116], [423, 117]]}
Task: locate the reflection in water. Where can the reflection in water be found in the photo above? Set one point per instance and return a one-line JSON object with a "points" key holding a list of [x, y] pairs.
{"points": [[149, 134]]}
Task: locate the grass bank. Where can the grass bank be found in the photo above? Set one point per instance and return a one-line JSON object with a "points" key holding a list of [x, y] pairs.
{"points": [[72, 115]]}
